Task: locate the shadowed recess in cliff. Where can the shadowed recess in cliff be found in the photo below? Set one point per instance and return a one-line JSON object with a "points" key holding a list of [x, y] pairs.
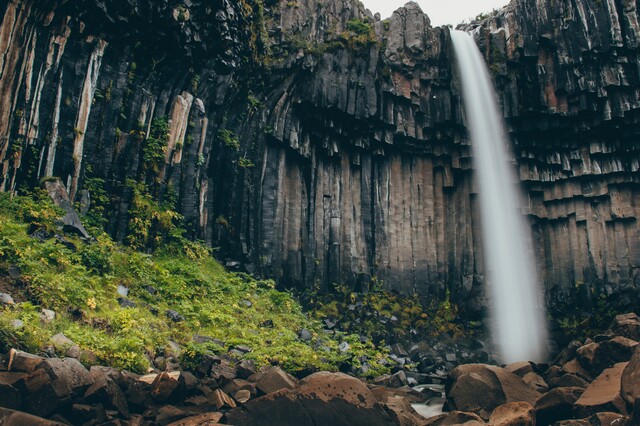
{"points": [[518, 319]]}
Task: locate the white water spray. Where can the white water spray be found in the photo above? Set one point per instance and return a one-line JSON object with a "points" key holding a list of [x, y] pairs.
{"points": [[518, 318]]}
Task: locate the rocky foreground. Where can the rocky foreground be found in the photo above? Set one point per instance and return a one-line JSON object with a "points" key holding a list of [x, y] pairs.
{"points": [[595, 382]]}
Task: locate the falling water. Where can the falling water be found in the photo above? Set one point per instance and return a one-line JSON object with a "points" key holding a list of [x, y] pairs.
{"points": [[518, 319]]}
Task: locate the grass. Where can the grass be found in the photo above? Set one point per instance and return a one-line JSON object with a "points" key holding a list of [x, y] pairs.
{"points": [[79, 281]]}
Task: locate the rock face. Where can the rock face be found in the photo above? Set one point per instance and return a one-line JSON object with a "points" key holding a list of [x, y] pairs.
{"points": [[345, 156]]}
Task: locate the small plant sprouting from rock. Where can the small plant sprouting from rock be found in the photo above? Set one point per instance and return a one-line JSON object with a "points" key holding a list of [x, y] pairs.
{"points": [[229, 139]]}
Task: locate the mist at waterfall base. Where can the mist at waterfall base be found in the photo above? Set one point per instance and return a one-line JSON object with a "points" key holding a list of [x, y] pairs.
{"points": [[517, 314]]}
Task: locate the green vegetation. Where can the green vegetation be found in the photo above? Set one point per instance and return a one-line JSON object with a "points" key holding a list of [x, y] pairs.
{"points": [[229, 139], [359, 34], [79, 281], [155, 148], [381, 313]]}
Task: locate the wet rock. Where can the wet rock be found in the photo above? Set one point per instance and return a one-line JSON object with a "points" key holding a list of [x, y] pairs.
{"points": [[514, 414], [603, 394], [557, 405], [395, 380]]}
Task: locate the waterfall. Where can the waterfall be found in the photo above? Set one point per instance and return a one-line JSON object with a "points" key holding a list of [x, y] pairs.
{"points": [[517, 314]]}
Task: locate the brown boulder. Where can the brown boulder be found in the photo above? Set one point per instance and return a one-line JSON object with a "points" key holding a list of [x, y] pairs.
{"points": [[106, 392], [22, 361], [39, 396], [242, 396], [169, 414], [322, 398], [514, 414], [574, 367], [68, 376], [166, 386], [599, 419], [221, 400], [556, 405], [626, 325], [630, 380], [569, 380], [535, 382], [205, 419], [520, 369], [17, 418], [603, 394], [10, 397], [455, 418], [587, 355], [480, 388], [275, 379], [615, 350], [399, 408]]}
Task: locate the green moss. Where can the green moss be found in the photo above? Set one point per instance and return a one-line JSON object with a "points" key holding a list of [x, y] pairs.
{"points": [[80, 284], [229, 139], [155, 147]]}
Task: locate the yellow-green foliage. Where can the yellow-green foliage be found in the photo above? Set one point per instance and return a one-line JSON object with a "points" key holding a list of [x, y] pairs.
{"points": [[81, 286]]}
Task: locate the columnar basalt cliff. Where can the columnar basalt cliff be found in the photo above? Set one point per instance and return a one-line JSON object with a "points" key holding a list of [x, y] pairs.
{"points": [[319, 144]]}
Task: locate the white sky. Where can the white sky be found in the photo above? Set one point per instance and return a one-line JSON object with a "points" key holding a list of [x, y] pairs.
{"points": [[441, 12]]}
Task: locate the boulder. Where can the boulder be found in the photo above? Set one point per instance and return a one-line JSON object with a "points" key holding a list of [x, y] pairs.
{"points": [[275, 379], [535, 382], [599, 419], [88, 414], [168, 414], [166, 386], [17, 418], [556, 405], [569, 380], [10, 397], [242, 396], [106, 392], [587, 355], [574, 367], [23, 361], [396, 380], [398, 407], [39, 396], [455, 418], [6, 299], [480, 388], [615, 350], [630, 380], [68, 376], [322, 398], [71, 220], [245, 368], [514, 414], [520, 369], [221, 400], [626, 325], [205, 419], [603, 394]]}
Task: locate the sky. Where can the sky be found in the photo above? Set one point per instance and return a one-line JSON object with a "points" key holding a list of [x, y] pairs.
{"points": [[441, 12]]}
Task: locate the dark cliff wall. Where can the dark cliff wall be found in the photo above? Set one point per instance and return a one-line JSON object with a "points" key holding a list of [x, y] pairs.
{"points": [[352, 159]]}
